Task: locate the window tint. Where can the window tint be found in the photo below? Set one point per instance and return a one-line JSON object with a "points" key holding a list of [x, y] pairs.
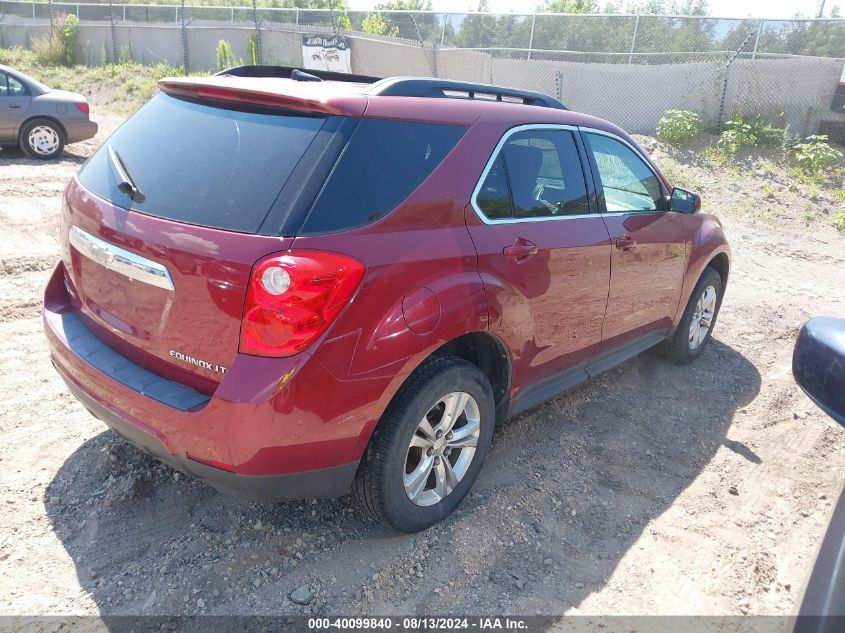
{"points": [[16, 88], [628, 183], [3, 85], [382, 164], [201, 164], [494, 197], [545, 174]]}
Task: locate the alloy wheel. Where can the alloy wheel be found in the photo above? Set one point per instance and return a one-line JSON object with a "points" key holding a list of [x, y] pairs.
{"points": [[442, 448], [702, 317]]}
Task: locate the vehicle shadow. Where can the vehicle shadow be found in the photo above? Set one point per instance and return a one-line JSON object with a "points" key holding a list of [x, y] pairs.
{"points": [[567, 489]]}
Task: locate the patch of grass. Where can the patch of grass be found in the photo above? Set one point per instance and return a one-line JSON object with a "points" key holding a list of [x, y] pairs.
{"points": [[769, 190], [839, 194], [809, 216], [118, 88], [768, 167], [839, 220]]}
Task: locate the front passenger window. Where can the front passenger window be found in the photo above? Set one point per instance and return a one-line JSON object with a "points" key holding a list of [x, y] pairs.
{"points": [[628, 183]]}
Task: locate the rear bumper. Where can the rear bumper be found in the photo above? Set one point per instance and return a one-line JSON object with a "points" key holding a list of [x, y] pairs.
{"points": [[80, 130], [322, 483], [275, 428]]}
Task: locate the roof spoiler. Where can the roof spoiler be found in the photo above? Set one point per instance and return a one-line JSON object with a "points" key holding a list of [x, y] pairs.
{"points": [[212, 89], [289, 72]]}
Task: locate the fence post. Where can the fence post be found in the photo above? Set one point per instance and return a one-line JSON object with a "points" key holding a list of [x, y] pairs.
{"points": [[114, 58], [232, 15], [257, 30], [443, 30], [634, 39], [731, 58], [531, 37], [77, 11], [124, 13], [757, 39], [185, 61]]}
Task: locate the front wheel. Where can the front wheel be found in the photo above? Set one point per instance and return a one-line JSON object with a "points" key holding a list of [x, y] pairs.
{"points": [[696, 326], [42, 139], [429, 446]]}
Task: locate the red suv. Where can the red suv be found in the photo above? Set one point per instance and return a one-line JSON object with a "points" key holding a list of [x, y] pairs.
{"points": [[290, 285]]}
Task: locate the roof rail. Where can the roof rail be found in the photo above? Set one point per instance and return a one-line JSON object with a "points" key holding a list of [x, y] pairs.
{"points": [[448, 89], [288, 72]]}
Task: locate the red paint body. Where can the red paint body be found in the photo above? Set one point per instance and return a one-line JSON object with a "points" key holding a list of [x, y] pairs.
{"points": [[434, 272]]}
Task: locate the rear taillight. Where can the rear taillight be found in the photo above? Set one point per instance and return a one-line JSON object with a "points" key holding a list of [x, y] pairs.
{"points": [[83, 107], [293, 298]]}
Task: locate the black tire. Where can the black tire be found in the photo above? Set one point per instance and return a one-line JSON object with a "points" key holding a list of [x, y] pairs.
{"points": [[33, 152], [379, 487], [679, 347]]}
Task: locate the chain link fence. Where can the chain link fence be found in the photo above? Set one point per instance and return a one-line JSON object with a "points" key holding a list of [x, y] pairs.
{"points": [[629, 69]]}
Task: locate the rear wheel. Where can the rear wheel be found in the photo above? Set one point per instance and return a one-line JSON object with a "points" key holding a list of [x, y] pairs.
{"points": [[429, 446], [696, 326], [42, 138]]}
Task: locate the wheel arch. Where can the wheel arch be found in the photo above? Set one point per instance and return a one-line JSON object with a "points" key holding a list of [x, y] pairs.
{"points": [[490, 354], [721, 264]]}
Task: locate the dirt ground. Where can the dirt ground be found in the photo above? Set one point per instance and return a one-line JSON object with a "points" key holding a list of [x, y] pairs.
{"points": [[654, 489]]}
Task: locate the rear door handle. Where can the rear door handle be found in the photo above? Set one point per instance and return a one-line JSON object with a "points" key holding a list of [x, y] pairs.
{"points": [[522, 250], [626, 243]]}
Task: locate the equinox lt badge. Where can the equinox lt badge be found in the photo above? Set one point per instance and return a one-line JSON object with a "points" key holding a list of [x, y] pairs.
{"points": [[197, 361]]}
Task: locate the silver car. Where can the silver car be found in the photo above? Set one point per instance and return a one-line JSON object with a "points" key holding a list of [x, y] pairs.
{"points": [[38, 119]]}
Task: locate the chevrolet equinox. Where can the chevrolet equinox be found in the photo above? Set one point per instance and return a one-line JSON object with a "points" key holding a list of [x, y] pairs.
{"points": [[295, 285]]}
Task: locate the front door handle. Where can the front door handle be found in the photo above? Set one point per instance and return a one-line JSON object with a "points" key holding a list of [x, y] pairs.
{"points": [[15, 106], [522, 250], [626, 243]]}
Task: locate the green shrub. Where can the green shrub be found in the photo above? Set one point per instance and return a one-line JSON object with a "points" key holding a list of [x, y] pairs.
{"points": [[226, 56], [815, 154], [252, 49], [839, 220], [753, 132], [58, 46], [679, 127]]}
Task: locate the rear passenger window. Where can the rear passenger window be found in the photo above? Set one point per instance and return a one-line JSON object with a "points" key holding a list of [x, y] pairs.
{"points": [[16, 88], [494, 197], [4, 90], [382, 164], [537, 174], [545, 174]]}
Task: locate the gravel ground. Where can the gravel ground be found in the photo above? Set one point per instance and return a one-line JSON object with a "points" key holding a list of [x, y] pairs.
{"points": [[653, 489]]}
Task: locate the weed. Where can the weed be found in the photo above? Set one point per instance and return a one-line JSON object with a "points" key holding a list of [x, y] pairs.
{"points": [[839, 220], [57, 47], [226, 56], [679, 127], [815, 154]]}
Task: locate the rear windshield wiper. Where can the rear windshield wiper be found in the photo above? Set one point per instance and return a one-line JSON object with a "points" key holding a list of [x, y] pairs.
{"points": [[121, 175]]}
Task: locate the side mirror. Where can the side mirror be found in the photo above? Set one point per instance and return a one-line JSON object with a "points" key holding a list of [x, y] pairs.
{"points": [[684, 201], [818, 364]]}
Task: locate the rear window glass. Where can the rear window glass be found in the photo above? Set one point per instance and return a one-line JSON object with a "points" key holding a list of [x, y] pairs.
{"points": [[382, 164], [201, 164]]}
